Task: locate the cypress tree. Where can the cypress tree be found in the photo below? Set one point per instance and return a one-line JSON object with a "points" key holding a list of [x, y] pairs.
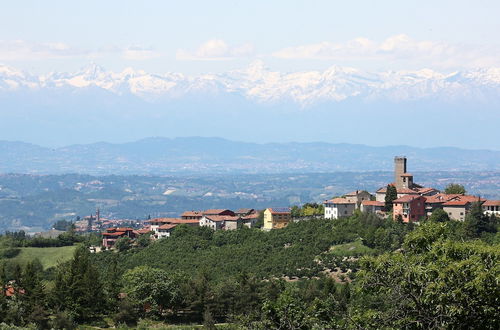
{"points": [[390, 195]]}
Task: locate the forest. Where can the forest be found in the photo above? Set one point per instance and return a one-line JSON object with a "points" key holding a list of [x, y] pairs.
{"points": [[360, 272]]}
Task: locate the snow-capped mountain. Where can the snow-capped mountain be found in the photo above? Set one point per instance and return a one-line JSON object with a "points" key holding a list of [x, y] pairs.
{"points": [[257, 83]]}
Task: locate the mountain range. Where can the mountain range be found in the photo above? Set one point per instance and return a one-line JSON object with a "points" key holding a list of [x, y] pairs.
{"points": [[197, 155], [422, 108], [260, 84]]}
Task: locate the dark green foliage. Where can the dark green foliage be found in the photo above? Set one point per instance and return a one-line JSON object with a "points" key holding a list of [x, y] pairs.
{"points": [[454, 188], [151, 290], [390, 195], [477, 223], [439, 215], [434, 283], [78, 288], [63, 225], [123, 244]]}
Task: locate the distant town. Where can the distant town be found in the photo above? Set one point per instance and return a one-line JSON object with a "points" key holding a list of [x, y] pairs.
{"points": [[403, 199]]}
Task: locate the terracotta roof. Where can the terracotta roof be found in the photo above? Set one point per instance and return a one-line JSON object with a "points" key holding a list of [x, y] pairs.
{"points": [[245, 211], [491, 203], [162, 220], [457, 203], [440, 198], [116, 233], [373, 203], [424, 190], [407, 191], [167, 226], [218, 218], [354, 193], [144, 230], [339, 201], [215, 211], [192, 214], [181, 221], [407, 198], [470, 198], [384, 189], [124, 229], [251, 216]]}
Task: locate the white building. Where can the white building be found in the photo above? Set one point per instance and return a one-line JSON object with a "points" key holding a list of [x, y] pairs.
{"points": [[491, 207], [338, 207]]}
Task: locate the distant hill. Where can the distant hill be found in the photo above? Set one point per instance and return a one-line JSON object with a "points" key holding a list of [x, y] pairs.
{"points": [[216, 155]]}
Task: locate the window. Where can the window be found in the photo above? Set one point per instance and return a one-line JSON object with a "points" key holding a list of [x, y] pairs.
{"points": [[345, 212], [461, 213]]}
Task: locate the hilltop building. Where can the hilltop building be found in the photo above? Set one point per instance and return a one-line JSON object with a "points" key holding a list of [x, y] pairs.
{"points": [[162, 227], [403, 181], [111, 235], [411, 208], [339, 207], [491, 207], [277, 217]]}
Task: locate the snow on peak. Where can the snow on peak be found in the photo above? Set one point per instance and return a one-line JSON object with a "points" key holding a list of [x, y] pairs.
{"points": [[260, 84]]}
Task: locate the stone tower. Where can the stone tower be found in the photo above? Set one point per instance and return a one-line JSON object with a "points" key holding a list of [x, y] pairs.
{"points": [[402, 179]]}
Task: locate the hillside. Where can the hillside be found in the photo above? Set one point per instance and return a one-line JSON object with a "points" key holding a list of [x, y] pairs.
{"points": [[216, 155]]}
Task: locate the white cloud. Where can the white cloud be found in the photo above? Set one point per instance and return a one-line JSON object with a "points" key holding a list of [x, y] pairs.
{"points": [[397, 48], [215, 50], [20, 50], [137, 53]]}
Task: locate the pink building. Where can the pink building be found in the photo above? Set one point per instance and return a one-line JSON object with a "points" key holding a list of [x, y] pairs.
{"points": [[410, 207]]}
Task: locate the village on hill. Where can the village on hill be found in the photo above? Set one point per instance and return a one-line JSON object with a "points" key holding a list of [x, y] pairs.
{"points": [[403, 200]]}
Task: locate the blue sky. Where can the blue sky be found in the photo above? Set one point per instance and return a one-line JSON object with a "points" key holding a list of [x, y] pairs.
{"points": [[161, 36]]}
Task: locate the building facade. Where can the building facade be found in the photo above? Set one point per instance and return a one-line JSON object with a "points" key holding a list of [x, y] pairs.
{"points": [[276, 218], [339, 207], [411, 208]]}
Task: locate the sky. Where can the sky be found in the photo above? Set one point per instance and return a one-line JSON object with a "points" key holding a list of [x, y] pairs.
{"points": [[198, 38]]}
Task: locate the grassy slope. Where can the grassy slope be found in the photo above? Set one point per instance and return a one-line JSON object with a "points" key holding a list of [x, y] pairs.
{"points": [[49, 257]]}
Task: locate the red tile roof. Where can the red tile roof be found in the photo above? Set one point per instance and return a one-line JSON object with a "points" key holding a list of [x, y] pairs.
{"points": [[440, 198], [373, 203], [407, 191], [144, 230], [424, 190], [339, 201], [116, 233], [192, 214], [124, 229], [407, 198], [167, 226], [215, 211], [251, 216], [161, 220], [279, 210], [491, 203], [457, 203], [218, 218]]}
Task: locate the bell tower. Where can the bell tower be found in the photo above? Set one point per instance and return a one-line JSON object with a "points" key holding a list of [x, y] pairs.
{"points": [[400, 177]]}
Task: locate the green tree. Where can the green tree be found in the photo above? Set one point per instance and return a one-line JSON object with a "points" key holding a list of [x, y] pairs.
{"points": [[144, 240], [439, 215], [150, 289], [34, 297], [78, 288], [476, 222], [123, 244], [454, 188], [390, 195], [423, 286]]}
